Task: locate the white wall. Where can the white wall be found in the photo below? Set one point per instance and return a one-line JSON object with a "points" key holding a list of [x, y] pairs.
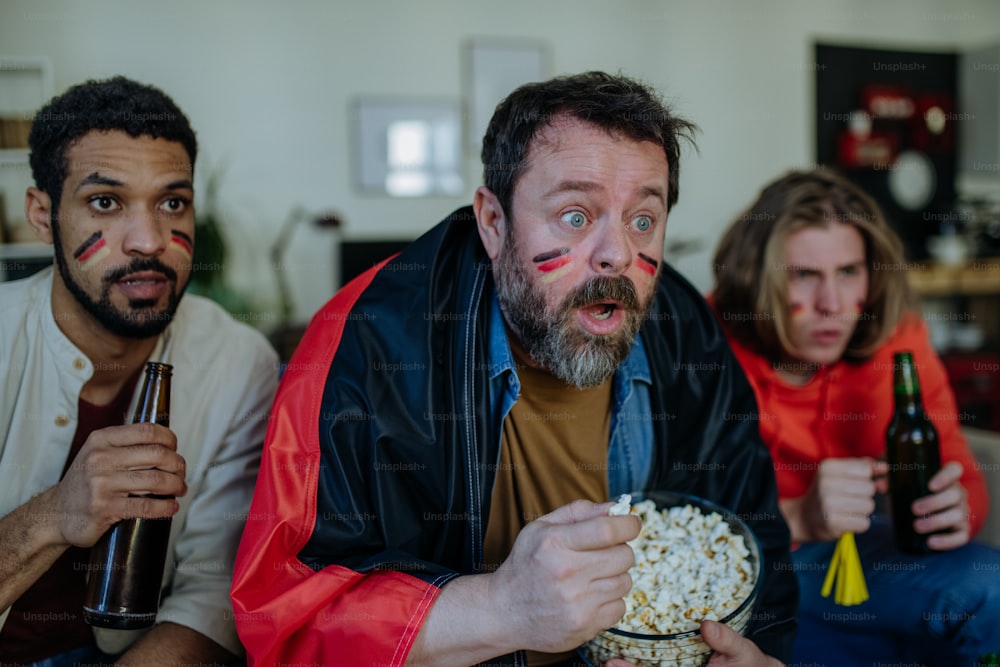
{"points": [[268, 88]]}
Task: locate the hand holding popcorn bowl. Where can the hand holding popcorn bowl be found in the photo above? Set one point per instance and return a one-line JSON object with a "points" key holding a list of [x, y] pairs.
{"points": [[694, 560]]}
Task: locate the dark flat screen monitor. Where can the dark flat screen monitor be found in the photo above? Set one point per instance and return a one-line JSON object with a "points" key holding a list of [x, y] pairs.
{"points": [[356, 256], [17, 261]]}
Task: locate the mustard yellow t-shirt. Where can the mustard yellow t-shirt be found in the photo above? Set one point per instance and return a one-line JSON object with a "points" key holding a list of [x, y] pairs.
{"points": [[554, 450]]}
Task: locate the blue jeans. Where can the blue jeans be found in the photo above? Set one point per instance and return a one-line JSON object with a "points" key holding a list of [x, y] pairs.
{"points": [[90, 656], [941, 609]]}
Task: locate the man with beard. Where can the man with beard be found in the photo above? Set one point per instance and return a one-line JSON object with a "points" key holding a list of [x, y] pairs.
{"points": [[113, 162], [437, 494]]}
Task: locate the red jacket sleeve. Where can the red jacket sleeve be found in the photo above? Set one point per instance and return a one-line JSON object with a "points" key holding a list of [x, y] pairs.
{"points": [[285, 611]]}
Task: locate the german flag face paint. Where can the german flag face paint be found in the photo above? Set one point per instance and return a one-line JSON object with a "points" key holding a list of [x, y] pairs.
{"points": [[182, 242], [647, 264], [92, 251], [860, 308], [553, 264], [796, 309]]}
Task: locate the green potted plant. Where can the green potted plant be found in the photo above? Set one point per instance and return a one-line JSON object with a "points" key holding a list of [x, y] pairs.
{"points": [[211, 253]]}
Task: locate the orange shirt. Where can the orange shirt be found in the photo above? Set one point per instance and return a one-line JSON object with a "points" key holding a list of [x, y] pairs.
{"points": [[843, 411]]}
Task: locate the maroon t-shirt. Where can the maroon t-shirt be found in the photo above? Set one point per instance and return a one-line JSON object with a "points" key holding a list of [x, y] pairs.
{"points": [[47, 619]]}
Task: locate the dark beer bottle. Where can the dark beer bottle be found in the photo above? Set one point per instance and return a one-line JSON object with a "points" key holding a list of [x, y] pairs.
{"points": [[912, 453], [126, 563]]}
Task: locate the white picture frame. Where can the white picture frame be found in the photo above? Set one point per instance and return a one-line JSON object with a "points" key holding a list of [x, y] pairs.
{"points": [[492, 69], [408, 147]]}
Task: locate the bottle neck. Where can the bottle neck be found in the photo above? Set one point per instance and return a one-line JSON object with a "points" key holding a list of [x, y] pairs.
{"points": [[906, 384], [911, 403]]}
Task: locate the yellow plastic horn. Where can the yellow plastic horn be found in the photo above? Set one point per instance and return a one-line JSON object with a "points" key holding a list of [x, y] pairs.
{"points": [[845, 568]]}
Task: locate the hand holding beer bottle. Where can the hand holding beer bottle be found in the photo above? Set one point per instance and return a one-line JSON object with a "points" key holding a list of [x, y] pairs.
{"points": [[126, 563], [115, 465], [929, 505]]}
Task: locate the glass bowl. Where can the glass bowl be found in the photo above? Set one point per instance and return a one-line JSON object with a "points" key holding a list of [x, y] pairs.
{"points": [[682, 649]]}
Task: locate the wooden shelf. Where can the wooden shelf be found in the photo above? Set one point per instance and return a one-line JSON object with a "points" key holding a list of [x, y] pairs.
{"points": [[25, 85], [973, 277]]}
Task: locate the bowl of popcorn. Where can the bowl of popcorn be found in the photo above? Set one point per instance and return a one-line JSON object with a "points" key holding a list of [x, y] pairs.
{"points": [[694, 560]]}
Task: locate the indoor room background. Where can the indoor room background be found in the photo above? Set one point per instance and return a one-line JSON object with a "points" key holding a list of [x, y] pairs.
{"points": [[271, 88]]}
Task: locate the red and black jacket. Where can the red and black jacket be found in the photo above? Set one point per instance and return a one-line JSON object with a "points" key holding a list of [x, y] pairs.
{"points": [[376, 480]]}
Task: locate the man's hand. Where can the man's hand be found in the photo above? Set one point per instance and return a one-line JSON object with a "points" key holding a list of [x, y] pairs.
{"points": [[94, 494], [566, 576], [731, 649], [946, 509], [840, 499], [114, 465], [562, 583]]}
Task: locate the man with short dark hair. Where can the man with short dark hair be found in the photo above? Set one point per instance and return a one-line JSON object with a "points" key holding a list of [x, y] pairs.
{"points": [[437, 495], [113, 163]]}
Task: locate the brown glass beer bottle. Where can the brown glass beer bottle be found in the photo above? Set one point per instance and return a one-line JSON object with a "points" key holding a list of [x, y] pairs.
{"points": [[912, 453], [126, 563]]}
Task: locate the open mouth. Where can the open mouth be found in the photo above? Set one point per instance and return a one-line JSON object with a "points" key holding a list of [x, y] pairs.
{"points": [[604, 304], [602, 318], [143, 284], [602, 311]]}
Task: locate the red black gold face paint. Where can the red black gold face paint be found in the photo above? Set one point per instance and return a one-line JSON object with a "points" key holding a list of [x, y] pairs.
{"points": [[183, 242], [92, 251], [796, 309], [648, 264], [553, 264]]}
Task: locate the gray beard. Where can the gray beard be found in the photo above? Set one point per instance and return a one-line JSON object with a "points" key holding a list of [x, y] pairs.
{"points": [[552, 338]]}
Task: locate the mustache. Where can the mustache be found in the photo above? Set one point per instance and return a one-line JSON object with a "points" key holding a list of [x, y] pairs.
{"points": [[605, 288], [140, 264]]}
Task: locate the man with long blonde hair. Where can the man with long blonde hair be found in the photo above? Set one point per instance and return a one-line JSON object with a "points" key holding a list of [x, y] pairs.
{"points": [[812, 292]]}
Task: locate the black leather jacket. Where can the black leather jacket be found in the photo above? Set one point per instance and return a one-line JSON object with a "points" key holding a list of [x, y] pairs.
{"points": [[407, 442]]}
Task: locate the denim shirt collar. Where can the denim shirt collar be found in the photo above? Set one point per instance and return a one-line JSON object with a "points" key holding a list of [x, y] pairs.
{"points": [[501, 358], [634, 368]]}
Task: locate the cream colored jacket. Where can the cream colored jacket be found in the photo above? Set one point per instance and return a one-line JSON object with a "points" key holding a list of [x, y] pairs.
{"points": [[224, 379]]}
